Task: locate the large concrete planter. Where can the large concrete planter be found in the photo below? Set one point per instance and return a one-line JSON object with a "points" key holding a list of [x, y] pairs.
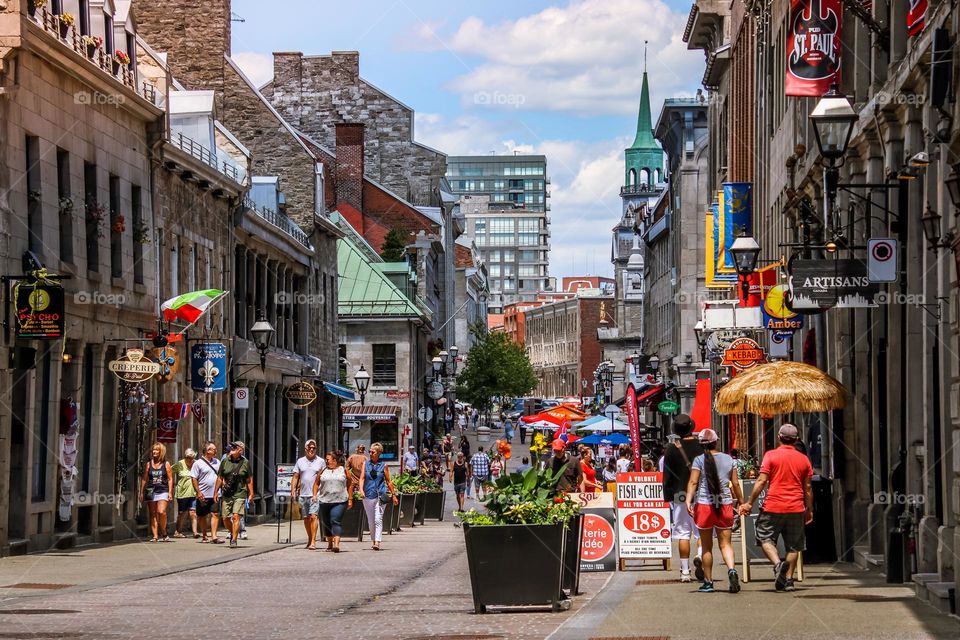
{"points": [[408, 510], [571, 555], [433, 504]]}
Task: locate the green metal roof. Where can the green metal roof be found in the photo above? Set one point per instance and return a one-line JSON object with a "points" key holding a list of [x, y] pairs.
{"points": [[644, 138], [364, 290]]}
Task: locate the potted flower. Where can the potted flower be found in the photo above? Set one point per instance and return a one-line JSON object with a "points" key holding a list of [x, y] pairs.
{"points": [[120, 57], [524, 525], [92, 43], [66, 21], [66, 206], [33, 5], [95, 214], [141, 233], [118, 225], [408, 491], [434, 500]]}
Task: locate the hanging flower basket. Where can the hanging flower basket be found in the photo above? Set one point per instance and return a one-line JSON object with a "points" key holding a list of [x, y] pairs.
{"points": [[95, 214], [120, 58], [141, 233], [33, 5], [119, 225], [92, 43], [66, 206]]}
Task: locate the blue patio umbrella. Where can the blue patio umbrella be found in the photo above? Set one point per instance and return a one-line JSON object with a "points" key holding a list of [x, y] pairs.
{"points": [[613, 439]]}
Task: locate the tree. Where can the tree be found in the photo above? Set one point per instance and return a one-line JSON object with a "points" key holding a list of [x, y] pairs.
{"points": [[496, 367], [394, 246]]}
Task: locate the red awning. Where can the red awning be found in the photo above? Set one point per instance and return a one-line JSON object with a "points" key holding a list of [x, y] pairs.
{"points": [[370, 411], [648, 395], [702, 404]]}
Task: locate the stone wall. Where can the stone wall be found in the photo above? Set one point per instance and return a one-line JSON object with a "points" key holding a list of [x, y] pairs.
{"points": [[314, 93]]}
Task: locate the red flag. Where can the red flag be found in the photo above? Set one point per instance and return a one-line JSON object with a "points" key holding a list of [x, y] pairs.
{"points": [[916, 17], [813, 47], [633, 421], [169, 415]]}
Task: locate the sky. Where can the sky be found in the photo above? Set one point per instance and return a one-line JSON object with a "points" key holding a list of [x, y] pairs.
{"points": [[555, 78]]}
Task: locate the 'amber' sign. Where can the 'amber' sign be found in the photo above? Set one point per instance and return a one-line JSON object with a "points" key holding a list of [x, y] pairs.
{"points": [[743, 353]]}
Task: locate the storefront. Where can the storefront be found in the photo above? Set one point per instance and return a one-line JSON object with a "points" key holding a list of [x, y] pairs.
{"points": [[366, 424]]}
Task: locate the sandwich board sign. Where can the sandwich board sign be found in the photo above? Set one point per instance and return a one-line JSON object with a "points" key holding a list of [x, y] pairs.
{"points": [[643, 517]]}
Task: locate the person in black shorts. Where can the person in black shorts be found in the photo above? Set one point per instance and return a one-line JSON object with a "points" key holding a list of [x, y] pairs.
{"points": [[459, 473]]}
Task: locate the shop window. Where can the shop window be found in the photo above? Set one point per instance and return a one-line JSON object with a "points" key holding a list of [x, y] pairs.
{"points": [[385, 432]]}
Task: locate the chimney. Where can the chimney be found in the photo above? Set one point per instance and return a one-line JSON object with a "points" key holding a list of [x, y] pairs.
{"points": [[348, 180]]}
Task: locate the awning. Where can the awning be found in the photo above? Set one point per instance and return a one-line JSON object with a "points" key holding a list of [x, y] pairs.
{"points": [[648, 395], [370, 412], [702, 405], [340, 391]]}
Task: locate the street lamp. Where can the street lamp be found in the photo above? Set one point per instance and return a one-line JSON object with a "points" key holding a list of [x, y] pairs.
{"points": [[454, 350], [931, 230], [833, 119], [745, 252], [262, 331], [953, 186], [701, 339], [362, 379], [437, 365], [653, 362]]}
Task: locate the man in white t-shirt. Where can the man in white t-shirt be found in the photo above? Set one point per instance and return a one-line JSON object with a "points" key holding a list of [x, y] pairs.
{"points": [[624, 462], [204, 474], [304, 476], [411, 462]]}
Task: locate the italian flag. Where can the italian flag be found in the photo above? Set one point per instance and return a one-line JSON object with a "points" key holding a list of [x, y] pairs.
{"points": [[189, 307]]}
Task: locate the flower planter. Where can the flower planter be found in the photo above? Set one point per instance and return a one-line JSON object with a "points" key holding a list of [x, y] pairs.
{"points": [[571, 555], [389, 517], [535, 556], [91, 51], [433, 505], [408, 510], [64, 30], [352, 519]]}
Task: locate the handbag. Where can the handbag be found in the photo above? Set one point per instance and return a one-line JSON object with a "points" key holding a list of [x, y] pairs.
{"points": [[147, 493]]}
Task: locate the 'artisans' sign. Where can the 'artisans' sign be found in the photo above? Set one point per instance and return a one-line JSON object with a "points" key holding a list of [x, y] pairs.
{"points": [[822, 284]]}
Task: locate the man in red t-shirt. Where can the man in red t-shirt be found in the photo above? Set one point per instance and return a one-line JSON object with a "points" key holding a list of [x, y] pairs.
{"points": [[788, 506]]}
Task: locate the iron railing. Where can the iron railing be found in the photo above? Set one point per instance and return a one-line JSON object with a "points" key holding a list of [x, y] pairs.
{"points": [[206, 156], [280, 221]]}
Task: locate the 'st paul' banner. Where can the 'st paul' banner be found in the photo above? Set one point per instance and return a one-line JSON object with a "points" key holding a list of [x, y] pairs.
{"points": [[813, 47]]}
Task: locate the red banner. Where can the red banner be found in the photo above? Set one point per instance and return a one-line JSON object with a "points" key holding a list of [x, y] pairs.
{"points": [[633, 421], [813, 47]]}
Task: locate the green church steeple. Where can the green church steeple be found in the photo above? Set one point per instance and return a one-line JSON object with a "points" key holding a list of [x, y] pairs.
{"points": [[643, 161]]}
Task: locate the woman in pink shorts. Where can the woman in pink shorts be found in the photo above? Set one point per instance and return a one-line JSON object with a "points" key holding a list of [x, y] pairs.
{"points": [[710, 493]]}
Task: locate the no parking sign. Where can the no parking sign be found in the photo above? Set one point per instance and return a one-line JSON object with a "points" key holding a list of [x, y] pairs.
{"points": [[882, 259]]}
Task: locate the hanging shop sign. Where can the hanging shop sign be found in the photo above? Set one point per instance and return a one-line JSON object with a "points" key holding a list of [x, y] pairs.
{"points": [[169, 361], [813, 47], [777, 316], [208, 367], [40, 311], [643, 517], [668, 406], [598, 546], [435, 390], [301, 394], [822, 284], [397, 395], [743, 353], [134, 367]]}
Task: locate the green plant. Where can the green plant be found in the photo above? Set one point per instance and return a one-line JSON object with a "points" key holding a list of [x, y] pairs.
{"points": [[394, 246], [430, 485], [408, 483], [141, 233], [747, 467], [474, 518], [66, 205], [530, 497], [496, 367]]}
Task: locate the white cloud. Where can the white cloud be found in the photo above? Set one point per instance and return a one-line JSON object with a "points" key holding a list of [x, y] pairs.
{"points": [[256, 66], [585, 58]]}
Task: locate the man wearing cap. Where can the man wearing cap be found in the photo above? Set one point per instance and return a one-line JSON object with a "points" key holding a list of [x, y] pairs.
{"points": [[572, 477], [677, 461], [788, 506], [411, 462], [235, 483], [304, 474]]}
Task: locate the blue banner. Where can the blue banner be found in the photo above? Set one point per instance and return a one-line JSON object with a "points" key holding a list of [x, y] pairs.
{"points": [[208, 367], [718, 244], [737, 218]]}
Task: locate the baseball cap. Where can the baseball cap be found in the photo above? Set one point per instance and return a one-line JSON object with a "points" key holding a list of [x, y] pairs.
{"points": [[707, 436], [237, 444], [788, 431], [559, 445]]}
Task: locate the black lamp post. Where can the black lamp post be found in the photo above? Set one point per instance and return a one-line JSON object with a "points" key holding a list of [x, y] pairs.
{"points": [[653, 363], [930, 221], [262, 331], [362, 380], [953, 186], [745, 252], [833, 119]]}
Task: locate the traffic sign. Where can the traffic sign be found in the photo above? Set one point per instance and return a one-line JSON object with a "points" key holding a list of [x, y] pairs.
{"points": [[351, 424], [882, 259], [611, 411], [425, 414], [241, 398]]}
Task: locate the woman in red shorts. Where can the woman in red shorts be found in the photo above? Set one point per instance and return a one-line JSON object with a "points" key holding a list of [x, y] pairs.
{"points": [[710, 493]]}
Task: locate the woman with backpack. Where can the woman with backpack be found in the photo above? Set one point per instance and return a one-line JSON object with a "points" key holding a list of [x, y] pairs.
{"points": [[711, 490], [156, 489], [377, 489]]}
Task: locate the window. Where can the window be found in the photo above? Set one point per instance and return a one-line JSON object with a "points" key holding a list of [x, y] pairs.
{"points": [[494, 270], [92, 215], [41, 440], [84, 17], [384, 365], [140, 232], [342, 364], [107, 32], [116, 238], [34, 195], [509, 255], [493, 256], [528, 255], [480, 225], [64, 206], [529, 224], [508, 270], [528, 270], [528, 239], [502, 225]]}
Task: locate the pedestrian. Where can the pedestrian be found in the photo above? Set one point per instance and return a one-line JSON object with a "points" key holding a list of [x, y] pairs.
{"points": [[428, 439], [475, 414], [411, 461], [786, 474], [459, 476], [446, 445], [186, 495], [524, 465], [448, 421], [678, 458], [522, 428], [355, 464], [590, 484], [465, 446], [333, 493], [235, 483], [625, 462], [156, 489], [438, 468], [204, 476], [462, 422], [609, 473], [507, 428], [571, 479], [711, 490], [377, 490], [480, 471], [305, 473], [496, 467]]}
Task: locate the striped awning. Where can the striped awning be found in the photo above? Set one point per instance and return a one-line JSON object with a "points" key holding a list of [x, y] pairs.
{"points": [[340, 391], [370, 412]]}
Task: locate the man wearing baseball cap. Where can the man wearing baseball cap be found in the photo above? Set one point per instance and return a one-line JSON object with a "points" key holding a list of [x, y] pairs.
{"points": [[788, 506], [235, 483], [572, 478]]}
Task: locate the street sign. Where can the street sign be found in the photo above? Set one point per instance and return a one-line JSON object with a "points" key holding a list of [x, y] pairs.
{"points": [[435, 390], [668, 406], [351, 424], [301, 394], [425, 414], [284, 480], [241, 398], [133, 367], [882, 259], [40, 311], [643, 517], [611, 411], [618, 377]]}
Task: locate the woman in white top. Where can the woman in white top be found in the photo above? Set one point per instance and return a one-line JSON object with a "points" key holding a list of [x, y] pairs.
{"points": [[333, 490]]}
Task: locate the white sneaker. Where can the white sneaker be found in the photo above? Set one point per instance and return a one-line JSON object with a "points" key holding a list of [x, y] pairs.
{"points": [[243, 535], [685, 576]]}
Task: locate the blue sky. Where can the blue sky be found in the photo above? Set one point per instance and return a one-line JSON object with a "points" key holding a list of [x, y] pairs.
{"points": [[559, 78]]}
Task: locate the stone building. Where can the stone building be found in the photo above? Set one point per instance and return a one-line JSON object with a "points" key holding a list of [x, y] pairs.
{"points": [[885, 458], [77, 138]]}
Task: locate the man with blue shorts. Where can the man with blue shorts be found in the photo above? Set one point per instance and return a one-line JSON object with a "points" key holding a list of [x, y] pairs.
{"points": [[304, 475]]}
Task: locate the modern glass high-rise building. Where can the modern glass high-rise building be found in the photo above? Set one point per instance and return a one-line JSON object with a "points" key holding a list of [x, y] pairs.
{"points": [[505, 200]]}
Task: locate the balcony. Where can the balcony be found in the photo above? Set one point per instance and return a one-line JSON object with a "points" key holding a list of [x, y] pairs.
{"points": [[69, 37], [209, 158], [280, 221]]}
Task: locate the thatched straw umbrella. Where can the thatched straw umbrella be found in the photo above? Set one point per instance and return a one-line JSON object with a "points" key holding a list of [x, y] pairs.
{"points": [[781, 387]]}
